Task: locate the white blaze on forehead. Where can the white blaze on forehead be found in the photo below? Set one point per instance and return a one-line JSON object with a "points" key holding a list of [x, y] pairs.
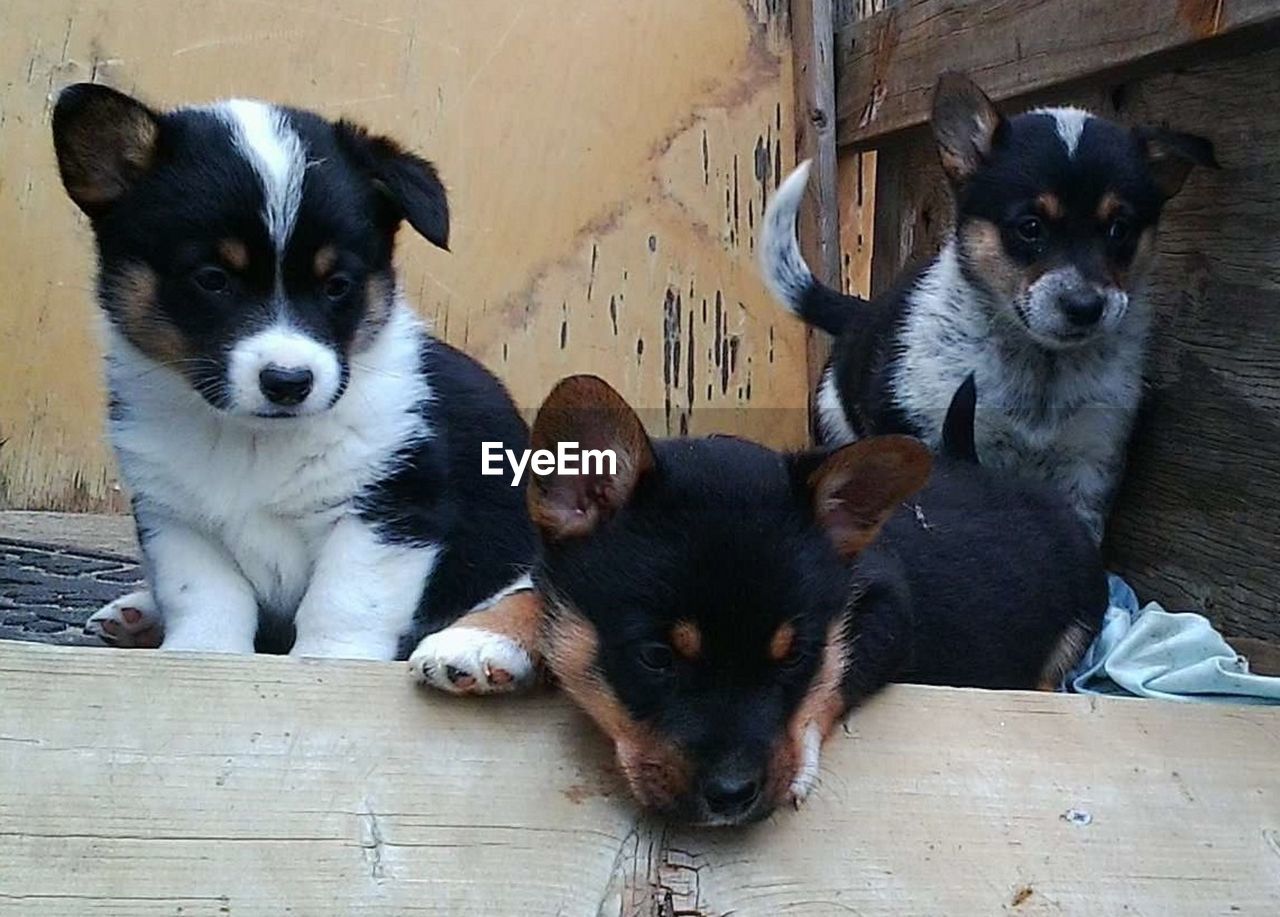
{"points": [[265, 138], [1070, 123]]}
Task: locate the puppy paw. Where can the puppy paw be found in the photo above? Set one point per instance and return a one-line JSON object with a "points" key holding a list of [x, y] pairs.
{"points": [[807, 772], [467, 660], [130, 622]]}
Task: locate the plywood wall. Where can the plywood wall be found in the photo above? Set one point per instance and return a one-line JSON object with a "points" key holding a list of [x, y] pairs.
{"points": [[607, 161]]}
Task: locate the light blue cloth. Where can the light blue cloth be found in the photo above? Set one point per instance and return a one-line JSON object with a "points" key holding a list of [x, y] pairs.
{"points": [[1151, 652]]}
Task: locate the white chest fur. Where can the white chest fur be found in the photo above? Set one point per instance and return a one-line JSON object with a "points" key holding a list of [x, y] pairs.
{"points": [[1061, 416], [267, 491]]}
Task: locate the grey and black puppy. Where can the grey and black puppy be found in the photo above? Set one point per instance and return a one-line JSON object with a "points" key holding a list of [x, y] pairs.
{"points": [[1038, 291]]}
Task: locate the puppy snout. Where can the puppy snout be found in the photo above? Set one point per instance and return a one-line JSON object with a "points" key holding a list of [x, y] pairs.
{"points": [[731, 795], [1082, 307], [286, 386]]}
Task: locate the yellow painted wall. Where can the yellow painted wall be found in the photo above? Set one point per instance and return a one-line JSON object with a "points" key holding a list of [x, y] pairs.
{"points": [[607, 163]]}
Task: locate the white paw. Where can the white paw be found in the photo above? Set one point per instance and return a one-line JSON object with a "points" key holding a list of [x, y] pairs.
{"points": [[807, 773], [131, 621], [466, 660]]}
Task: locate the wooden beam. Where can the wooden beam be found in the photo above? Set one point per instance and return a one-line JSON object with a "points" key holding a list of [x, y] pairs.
{"points": [[145, 783], [888, 62], [818, 226]]}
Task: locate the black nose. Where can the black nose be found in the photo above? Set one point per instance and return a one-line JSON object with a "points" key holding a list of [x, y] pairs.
{"points": [[1082, 308], [285, 386], [730, 796]]}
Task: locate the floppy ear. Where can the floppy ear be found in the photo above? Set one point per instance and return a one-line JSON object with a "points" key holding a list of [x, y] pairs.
{"points": [[856, 489], [586, 411], [1170, 156], [965, 123], [105, 141], [408, 184]]}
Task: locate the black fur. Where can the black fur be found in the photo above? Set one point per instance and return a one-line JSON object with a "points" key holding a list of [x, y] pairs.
{"points": [[971, 583]]}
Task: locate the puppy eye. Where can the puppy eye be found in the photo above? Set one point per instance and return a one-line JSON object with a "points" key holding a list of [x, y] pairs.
{"points": [[1118, 231], [792, 660], [338, 286], [1030, 229], [656, 656], [212, 279]]}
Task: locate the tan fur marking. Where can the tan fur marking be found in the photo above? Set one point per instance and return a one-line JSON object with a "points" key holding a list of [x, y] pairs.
{"points": [[686, 640], [326, 257], [517, 616], [1108, 207], [1049, 205], [657, 773], [379, 297], [132, 295], [984, 250], [234, 253], [1127, 276], [783, 639], [1066, 653], [102, 154], [823, 706]]}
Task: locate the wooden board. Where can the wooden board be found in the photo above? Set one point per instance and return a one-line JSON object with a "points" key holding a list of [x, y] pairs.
{"points": [[607, 164], [887, 63], [139, 783], [1196, 523]]}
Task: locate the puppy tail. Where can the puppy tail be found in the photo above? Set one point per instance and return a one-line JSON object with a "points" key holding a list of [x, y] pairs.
{"points": [[957, 429], [783, 267]]}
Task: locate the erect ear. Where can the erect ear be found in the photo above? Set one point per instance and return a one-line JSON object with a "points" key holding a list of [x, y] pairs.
{"points": [[1170, 156], [105, 141], [586, 411], [408, 184], [856, 489], [958, 439], [965, 123]]}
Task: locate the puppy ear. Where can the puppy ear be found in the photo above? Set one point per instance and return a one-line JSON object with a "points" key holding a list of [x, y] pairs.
{"points": [[105, 141], [965, 123], [586, 411], [958, 440], [408, 184], [856, 489], [1170, 156]]}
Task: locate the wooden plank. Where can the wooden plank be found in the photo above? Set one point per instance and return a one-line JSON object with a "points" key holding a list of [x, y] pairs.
{"points": [[111, 534], [142, 783], [607, 163], [887, 63], [817, 224]]}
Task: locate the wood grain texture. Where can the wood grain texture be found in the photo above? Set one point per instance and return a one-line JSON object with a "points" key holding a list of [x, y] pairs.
{"points": [[139, 783], [607, 164], [1195, 526], [817, 226], [887, 63]]}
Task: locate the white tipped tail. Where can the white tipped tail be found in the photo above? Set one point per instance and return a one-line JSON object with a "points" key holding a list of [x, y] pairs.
{"points": [[781, 265]]}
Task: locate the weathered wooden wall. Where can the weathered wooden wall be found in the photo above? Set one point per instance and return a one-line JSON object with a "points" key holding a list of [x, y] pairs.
{"points": [[1198, 522], [607, 162]]}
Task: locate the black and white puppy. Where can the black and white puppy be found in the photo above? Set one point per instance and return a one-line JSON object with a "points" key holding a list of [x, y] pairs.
{"points": [[304, 457], [716, 607], [1038, 291]]}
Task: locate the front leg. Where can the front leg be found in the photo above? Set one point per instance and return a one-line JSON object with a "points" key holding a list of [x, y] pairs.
{"points": [[363, 595], [205, 602]]}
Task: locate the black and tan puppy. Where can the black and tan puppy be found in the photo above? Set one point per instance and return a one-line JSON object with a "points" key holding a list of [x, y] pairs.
{"points": [[717, 607]]}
